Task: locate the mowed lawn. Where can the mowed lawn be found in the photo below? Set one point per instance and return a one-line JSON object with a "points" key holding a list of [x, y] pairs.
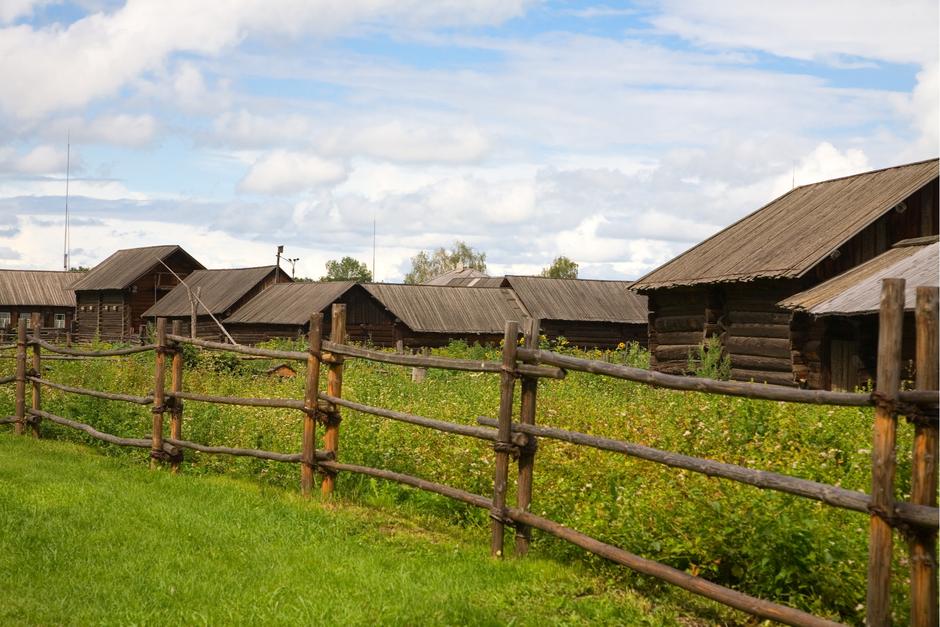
{"points": [[87, 539]]}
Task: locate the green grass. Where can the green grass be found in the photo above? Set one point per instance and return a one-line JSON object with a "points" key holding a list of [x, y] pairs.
{"points": [[92, 540]]}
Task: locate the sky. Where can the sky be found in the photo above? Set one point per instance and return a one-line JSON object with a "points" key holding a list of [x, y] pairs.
{"points": [[617, 134]]}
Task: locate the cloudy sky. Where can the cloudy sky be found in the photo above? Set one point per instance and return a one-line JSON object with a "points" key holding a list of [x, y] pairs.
{"points": [[617, 134]]}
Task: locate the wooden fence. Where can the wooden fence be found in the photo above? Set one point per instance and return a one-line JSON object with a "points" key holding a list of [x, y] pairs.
{"points": [[917, 520]]}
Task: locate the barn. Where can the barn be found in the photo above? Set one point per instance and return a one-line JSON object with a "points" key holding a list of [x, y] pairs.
{"points": [[835, 324], [587, 313], [36, 293], [219, 292], [729, 286], [433, 315], [283, 311], [112, 297]]}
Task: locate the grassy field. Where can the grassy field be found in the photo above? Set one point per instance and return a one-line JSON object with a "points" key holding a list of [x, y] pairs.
{"points": [[767, 544], [91, 540]]}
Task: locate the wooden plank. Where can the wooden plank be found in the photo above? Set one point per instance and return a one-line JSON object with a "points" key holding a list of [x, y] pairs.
{"points": [[506, 386], [880, 541], [763, 376], [764, 364], [759, 346], [679, 352], [159, 385], [334, 387], [311, 392], [667, 324], [530, 386], [759, 330], [758, 317], [20, 391], [923, 545], [176, 385], [37, 368]]}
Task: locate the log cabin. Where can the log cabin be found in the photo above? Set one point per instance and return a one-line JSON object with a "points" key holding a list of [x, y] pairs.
{"points": [[587, 313], [112, 297], [835, 324], [729, 286], [219, 292], [33, 294]]}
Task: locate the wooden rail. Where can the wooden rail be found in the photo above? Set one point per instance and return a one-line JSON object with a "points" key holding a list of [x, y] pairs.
{"points": [[517, 439], [52, 348]]}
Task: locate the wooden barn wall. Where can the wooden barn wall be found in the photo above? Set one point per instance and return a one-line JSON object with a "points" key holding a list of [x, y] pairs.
{"points": [[367, 321], [48, 330], [676, 327], [101, 314], [587, 334], [153, 286]]}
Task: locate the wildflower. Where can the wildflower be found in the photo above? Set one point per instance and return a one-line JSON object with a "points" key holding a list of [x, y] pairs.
{"points": [[621, 346]]}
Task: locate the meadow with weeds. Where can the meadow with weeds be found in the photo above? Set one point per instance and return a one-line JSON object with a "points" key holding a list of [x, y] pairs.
{"points": [[782, 548]]}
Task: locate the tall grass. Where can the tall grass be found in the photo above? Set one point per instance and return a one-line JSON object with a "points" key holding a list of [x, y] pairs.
{"points": [[767, 544]]}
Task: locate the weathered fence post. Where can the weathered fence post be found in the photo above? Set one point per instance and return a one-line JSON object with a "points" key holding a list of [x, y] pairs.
{"points": [[530, 386], [503, 445], [890, 327], [334, 387], [159, 396], [176, 385], [923, 547], [37, 372], [20, 402], [311, 391]]}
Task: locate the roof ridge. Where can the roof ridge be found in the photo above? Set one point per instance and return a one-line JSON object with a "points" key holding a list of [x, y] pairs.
{"points": [[875, 171]]}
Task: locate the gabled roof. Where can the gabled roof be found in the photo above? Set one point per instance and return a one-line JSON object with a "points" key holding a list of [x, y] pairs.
{"points": [[858, 291], [125, 266], [444, 309], [218, 291], [289, 303], [477, 281], [792, 234], [451, 275], [579, 299], [39, 288]]}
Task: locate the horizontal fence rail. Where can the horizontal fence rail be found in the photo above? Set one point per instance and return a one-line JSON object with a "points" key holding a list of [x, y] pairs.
{"points": [[279, 403], [52, 348], [110, 396], [293, 458], [98, 435]]}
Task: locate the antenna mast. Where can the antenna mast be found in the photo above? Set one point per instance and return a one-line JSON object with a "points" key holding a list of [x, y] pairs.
{"points": [[373, 247], [68, 164]]}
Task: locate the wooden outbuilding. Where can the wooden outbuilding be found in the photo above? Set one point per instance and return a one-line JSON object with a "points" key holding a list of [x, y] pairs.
{"points": [[219, 292], [283, 311], [35, 294], [835, 324], [729, 286], [587, 313], [112, 297]]}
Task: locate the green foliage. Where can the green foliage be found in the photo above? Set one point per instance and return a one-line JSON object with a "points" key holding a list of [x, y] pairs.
{"points": [[710, 361], [562, 268], [764, 543], [425, 267], [347, 269]]}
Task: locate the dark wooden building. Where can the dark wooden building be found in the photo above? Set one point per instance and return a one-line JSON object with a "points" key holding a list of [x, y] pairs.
{"points": [[587, 313], [283, 311], [36, 293], [835, 324], [729, 286], [112, 297], [219, 292]]}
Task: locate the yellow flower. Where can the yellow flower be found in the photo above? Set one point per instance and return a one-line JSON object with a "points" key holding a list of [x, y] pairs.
{"points": [[621, 346]]}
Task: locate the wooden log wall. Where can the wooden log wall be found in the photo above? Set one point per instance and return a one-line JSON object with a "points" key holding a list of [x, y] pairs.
{"points": [[101, 314], [588, 334], [676, 327]]}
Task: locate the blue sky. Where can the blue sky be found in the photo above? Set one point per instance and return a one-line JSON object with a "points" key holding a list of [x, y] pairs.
{"points": [[618, 134]]}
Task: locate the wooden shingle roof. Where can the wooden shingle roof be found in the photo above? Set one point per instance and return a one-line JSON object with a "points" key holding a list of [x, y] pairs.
{"points": [[451, 275], [579, 299], [789, 236], [858, 291], [218, 291], [445, 309], [37, 288], [125, 266], [289, 303]]}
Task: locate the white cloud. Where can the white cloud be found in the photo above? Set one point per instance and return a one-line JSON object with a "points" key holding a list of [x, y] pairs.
{"points": [[283, 173], [41, 159], [14, 9], [409, 142]]}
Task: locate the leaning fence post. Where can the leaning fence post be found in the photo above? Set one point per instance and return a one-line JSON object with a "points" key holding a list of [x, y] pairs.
{"points": [[923, 546], [890, 328], [176, 385], [334, 387], [159, 397], [503, 445], [311, 392], [530, 387], [37, 372], [20, 408]]}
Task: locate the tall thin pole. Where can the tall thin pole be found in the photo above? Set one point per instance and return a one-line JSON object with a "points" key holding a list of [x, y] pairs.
{"points": [[68, 167], [373, 247]]}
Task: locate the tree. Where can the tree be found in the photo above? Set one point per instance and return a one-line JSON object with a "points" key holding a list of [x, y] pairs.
{"points": [[561, 268], [347, 269], [425, 267]]}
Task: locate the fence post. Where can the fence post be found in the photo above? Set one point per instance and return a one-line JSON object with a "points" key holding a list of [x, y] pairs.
{"points": [[530, 387], [159, 397], [311, 393], [503, 445], [37, 372], [923, 547], [176, 407], [334, 387], [20, 410], [890, 328]]}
